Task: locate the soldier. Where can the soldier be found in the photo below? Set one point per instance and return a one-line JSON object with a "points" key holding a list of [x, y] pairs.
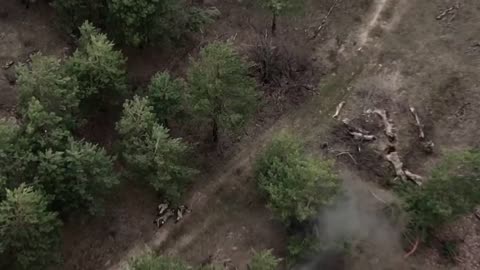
{"points": [[161, 220], [162, 208], [181, 210]]}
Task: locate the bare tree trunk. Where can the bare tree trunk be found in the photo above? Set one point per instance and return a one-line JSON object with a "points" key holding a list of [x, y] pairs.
{"points": [[274, 23]]}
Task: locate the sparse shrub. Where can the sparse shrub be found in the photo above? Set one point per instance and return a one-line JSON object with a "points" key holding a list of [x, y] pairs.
{"points": [[150, 153], [98, 68], [277, 63], [264, 260], [47, 81], [281, 7], [166, 96], [295, 184], [452, 190], [152, 262], [76, 178], [29, 232], [221, 90]]}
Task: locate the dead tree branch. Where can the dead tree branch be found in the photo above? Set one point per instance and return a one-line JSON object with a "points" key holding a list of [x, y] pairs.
{"points": [[338, 109], [417, 179], [389, 129], [419, 125], [414, 248], [325, 20], [362, 137]]}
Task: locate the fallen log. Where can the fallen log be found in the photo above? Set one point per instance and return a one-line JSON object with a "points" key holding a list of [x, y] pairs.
{"points": [[338, 109]]}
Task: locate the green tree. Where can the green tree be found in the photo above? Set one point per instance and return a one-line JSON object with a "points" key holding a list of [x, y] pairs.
{"points": [[153, 262], [150, 153], [166, 95], [264, 260], [77, 178], [98, 68], [14, 158], [150, 21], [221, 90], [47, 81], [281, 7], [452, 190], [29, 232], [42, 129], [296, 184]]}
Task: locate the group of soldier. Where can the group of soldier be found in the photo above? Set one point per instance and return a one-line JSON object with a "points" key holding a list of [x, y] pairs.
{"points": [[165, 213]]}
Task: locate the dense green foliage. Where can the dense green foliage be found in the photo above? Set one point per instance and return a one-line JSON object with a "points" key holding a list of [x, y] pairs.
{"points": [[264, 260], [166, 95], [295, 184], [76, 178], [47, 81], [28, 231], [221, 90], [452, 190], [133, 22], [152, 262], [150, 153], [98, 68], [42, 129]]}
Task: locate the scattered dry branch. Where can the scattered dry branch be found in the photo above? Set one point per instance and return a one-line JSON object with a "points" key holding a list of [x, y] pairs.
{"points": [[325, 19], [414, 248], [348, 154], [362, 137], [389, 130], [339, 108], [419, 125]]}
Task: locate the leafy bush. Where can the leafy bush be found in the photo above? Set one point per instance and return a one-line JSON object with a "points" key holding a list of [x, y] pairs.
{"points": [[166, 95], [29, 232], [150, 153], [264, 260], [221, 89], [98, 67], [152, 262], [452, 190], [295, 184], [76, 178], [47, 81]]}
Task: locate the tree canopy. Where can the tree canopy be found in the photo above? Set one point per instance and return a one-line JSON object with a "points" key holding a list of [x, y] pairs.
{"points": [[221, 90], [29, 232], [452, 190], [295, 184], [166, 95], [264, 260], [150, 153]]}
